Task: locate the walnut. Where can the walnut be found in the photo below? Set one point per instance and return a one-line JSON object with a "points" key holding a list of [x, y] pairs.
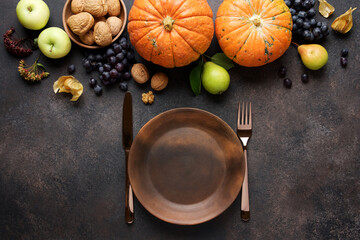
{"points": [[77, 6], [140, 73], [88, 38], [114, 7], [159, 81], [115, 24], [102, 34], [148, 98], [80, 23], [95, 7]]}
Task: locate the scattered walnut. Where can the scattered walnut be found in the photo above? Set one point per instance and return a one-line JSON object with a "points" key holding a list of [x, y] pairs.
{"points": [[115, 24], [80, 23], [77, 6], [140, 73], [102, 34], [148, 98], [159, 81], [114, 7], [88, 38]]}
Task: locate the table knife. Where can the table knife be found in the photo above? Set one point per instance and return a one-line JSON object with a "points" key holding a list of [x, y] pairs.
{"points": [[127, 137]]}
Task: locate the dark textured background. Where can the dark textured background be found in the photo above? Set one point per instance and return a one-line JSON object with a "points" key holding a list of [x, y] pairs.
{"points": [[62, 163]]}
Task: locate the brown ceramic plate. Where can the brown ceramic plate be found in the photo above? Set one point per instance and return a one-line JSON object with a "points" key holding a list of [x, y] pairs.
{"points": [[75, 38], [186, 166]]}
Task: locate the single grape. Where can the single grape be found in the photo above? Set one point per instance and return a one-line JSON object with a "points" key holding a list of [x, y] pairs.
{"points": [[127, 75], [311, 12], [343, 62], [117, 48], [294, 18], [122, 39], [306, 25], [288, 3], [316, 31], [306, 35], [292, 11], [344, 52], [86, 63], [120, 56], [92, 82], [287, 83], [312, 3], [71, 68], [123, 86], [324, 28], [302, 14], [282, 71], [106, 75], [124, 45], [113, 73], [125, 63], [119, 67], [110, 52], [305, 78], [299, 22], [130, 56], [306, 4], [313, 22], [112, 60], [91, 57], [107, 67], [99, 58], [98, 90], [101, 69]]}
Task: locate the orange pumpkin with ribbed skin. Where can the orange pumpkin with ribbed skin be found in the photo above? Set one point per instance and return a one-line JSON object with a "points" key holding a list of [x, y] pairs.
{"points": [[253, 32], [170, 33]]}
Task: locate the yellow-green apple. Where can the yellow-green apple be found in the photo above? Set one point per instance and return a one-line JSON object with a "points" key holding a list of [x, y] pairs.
{"points": [[54, 42], [33, 14]]}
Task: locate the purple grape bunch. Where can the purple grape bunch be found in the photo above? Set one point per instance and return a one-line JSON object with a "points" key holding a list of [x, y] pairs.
{"points": [[305, 26], [112, 63]]}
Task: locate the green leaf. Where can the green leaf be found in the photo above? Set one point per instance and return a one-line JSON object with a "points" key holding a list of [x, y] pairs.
{"points": [[195, 78], [222, 60]]}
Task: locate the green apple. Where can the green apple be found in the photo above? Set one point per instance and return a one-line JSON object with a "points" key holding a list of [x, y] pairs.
{"points": [[313, 56], [54, 42], [215, 79], [33, 14]]}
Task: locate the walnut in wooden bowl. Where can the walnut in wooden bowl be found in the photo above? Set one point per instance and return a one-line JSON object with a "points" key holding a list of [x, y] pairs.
{"points": [[99, 9]]}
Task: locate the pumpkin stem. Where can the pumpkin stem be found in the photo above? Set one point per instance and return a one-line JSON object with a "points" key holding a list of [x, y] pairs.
{"points": [[168, 23], [256, 20]]}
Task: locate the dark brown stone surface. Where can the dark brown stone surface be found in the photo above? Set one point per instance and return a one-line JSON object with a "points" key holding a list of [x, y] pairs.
{"points": [[62, 163]]}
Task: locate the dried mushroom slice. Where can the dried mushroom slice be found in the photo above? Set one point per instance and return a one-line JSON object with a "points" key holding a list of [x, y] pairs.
{"points": [[68, 84]]}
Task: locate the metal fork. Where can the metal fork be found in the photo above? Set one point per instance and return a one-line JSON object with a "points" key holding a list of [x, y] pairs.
{"points": [[244, 131]]}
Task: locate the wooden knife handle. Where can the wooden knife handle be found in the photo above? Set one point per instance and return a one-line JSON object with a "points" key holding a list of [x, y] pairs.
{"points": [[129, 200]]}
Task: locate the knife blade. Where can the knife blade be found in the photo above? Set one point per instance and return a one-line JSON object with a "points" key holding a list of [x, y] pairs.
{"points": [[127, 138]]}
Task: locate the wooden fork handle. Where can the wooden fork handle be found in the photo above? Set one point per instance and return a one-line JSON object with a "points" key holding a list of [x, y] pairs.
{"points": [[245, 208]]}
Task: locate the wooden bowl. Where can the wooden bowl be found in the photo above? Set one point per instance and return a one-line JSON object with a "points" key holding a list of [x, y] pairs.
{"points": [[75, 38]]}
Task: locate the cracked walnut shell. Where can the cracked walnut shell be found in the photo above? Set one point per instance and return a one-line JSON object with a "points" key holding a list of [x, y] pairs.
{"points": [[80, 23], [102, 34]]}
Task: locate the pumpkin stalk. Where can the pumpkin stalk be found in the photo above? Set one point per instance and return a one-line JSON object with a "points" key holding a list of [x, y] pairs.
{"points": [[168, 23], [256, 20]]}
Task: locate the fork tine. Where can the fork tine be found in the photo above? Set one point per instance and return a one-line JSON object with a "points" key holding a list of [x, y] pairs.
{"points": [[242, 114], [246, 114], [238, 117], [250, 122]]}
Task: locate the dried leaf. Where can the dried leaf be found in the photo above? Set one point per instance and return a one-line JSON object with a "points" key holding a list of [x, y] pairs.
{"points": [[344, 22], [325, 8]]}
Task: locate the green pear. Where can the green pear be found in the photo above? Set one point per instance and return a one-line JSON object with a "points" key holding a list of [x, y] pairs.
{"points": [[313, 56], [215, 79]]}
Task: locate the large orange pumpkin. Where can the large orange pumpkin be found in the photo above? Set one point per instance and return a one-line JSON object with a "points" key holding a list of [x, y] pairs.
{"points": [[170, 33], [253, 32]]}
